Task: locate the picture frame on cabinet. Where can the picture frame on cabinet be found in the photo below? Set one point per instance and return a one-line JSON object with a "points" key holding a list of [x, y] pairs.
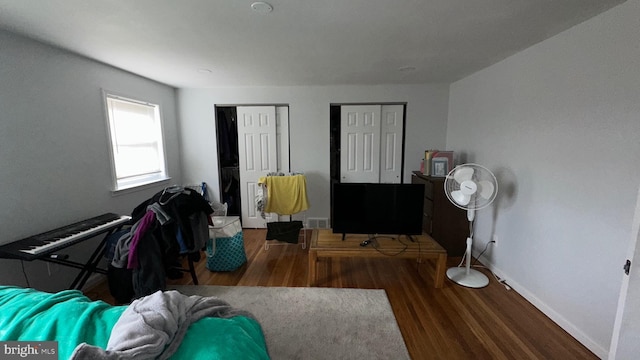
{"points": [[439, 166]]}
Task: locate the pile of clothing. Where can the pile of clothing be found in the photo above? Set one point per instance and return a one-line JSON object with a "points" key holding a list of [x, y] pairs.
{"points": [[172, 223]]}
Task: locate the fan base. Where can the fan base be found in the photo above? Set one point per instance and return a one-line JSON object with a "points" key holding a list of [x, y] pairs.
{"points": [[474, 279]]}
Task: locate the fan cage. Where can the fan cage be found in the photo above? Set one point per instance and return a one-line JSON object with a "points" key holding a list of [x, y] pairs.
{"points": [[480, 173]]}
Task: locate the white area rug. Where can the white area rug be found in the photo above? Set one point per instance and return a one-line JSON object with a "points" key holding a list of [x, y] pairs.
{"points": [[317, 323]]}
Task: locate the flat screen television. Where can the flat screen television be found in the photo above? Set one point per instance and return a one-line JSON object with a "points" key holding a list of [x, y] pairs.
{"points": [[368, 208]]}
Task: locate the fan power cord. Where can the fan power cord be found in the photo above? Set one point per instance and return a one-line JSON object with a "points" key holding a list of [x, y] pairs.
{"points": [[464, 256], [501, 281], [483, 251]]}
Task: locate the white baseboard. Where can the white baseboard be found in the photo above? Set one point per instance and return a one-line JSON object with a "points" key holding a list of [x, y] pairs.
{"points": [[556, 317]]}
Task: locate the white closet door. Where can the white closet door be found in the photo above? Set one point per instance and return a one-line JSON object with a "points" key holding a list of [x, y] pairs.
{"points": [[282, 138], [282, 142], [257, 149], [360, 143], [391, 125]]}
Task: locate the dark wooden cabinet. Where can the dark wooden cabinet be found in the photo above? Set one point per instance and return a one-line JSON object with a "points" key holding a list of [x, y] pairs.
{"points": [[445, 222]]}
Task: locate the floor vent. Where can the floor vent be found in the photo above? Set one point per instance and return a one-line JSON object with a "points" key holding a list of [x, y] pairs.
{"points": [[317, 223]]}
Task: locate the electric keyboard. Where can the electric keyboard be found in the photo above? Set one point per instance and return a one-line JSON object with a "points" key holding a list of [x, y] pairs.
{"points": [[41, 245]]}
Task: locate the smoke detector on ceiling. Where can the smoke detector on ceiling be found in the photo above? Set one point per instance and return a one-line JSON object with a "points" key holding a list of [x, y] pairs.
{"points": [[261, 7]]}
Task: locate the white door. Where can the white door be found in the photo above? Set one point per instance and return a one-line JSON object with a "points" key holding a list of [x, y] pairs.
{"points": [[257, 150], [282, 138], [391, 129], [624, 342], [282, 143], [360, 143], [371, 140]]}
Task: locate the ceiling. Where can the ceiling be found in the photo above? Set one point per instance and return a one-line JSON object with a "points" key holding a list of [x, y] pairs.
{"points": [[209, 43]]}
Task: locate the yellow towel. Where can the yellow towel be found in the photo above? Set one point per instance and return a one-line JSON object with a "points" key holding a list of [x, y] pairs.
{"points": [[286, 195]]}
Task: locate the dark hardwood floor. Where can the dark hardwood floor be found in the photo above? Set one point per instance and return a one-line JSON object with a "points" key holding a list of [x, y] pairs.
{"points": [[448, 323]]}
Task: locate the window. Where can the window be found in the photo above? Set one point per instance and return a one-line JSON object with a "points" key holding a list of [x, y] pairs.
{"points": [[137, 150]]}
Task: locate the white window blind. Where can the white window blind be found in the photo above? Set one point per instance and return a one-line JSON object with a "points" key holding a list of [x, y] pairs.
{"points": [[137, 149]]}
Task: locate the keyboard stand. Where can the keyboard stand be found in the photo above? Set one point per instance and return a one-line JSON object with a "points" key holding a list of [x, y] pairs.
{"points": [[88, 268]]}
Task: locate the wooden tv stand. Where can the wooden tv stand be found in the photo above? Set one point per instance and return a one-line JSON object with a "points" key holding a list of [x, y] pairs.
{"points": [[324, 244]]}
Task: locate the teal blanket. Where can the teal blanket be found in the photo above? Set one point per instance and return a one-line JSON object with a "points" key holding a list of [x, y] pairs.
{"points": [[70, 318]]}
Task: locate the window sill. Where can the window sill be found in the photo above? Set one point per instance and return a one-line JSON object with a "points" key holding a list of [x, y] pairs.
{"points": [[140, 187]]}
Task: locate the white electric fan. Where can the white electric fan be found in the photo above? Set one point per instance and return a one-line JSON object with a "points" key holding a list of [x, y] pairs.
{"points": [[470, 187]]}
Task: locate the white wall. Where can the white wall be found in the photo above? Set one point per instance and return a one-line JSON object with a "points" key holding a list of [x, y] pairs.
{"points": [[309, 127], [54, 158], [559, 124]]}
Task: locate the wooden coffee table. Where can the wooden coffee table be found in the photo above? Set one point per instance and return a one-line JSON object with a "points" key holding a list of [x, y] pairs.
{"points": [[326, 244]]}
